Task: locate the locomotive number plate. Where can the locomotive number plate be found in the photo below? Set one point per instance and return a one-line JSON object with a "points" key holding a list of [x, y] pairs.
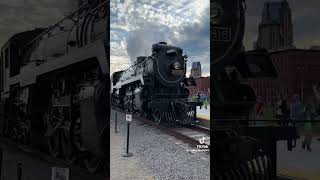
{"points": [[178, 72], [221, 34]]}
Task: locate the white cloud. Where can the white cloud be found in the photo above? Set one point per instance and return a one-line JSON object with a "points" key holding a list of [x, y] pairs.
{"points": [[136, 25]]}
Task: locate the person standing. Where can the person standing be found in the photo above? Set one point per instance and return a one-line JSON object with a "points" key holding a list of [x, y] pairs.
{"points": [[284, 111], [205, 103], [316, 90], [306, 143], [296, 109], [259, 107], [199, 99]]}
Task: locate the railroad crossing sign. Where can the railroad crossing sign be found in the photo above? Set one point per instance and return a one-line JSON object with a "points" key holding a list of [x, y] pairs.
{"points": [[128, 117], [58, 173]]}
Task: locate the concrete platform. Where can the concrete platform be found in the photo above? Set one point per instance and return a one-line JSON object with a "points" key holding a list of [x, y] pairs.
{"points": [[156, 155], [35, 165], [299, 163]]}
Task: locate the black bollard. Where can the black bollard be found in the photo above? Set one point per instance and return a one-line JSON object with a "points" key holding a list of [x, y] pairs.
{"points": [[128, 154], [19, 171], [1, 156], [116, 124]]}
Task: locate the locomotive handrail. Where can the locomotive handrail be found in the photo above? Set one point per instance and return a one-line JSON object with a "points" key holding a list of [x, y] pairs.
{"points": [[61, 21], [56, 25], [134, 65]]}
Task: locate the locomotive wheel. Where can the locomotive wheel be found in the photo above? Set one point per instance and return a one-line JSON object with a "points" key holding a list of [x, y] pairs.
{"points": [[157, 116], [76, 134], [93, 163], [67, 148], [59, 135], [53, 144], [127, 103], [139, 113], [23, 131]]}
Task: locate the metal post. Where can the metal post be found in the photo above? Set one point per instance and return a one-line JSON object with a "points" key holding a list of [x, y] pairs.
{"points": [[128, 154], [274, 168], [195, 114], [1, 157], [19, 171], [116, 124]]}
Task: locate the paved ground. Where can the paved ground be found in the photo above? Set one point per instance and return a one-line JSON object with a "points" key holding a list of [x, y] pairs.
{"points": [[155, 155], [203, 113], [125, 167], [299, 162], [36, 165]]}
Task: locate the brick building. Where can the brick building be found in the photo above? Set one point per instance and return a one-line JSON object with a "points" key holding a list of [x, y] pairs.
{"points": [[298, 70], [203, 86]]}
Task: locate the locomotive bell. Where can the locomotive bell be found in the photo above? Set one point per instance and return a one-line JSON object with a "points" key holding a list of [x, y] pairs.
{"points": [[227, 30]]}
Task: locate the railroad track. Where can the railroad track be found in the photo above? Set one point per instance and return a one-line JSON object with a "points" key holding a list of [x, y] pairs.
{"points": [[191, 134]]}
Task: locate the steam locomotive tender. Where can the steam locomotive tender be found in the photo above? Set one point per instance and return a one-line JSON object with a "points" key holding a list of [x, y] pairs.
{"points": [[155, 86], [54, 86]]}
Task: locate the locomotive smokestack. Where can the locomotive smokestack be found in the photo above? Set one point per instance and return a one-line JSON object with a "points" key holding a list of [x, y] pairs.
{"points": [[162, 42]]}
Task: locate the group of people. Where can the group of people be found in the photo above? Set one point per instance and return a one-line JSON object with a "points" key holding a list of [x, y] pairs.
{"points": [[204, 100], [297, 111]]}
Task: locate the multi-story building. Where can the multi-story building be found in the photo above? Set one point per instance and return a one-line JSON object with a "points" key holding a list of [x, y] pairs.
{"points": [[196, 70], [275, 28]]}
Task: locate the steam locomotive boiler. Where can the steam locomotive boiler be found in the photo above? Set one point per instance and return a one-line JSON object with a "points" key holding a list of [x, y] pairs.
{"points": [[54, 86], [240, 150], [155, 86]]}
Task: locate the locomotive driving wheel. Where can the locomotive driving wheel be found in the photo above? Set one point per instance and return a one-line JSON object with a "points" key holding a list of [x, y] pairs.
{"points": [[67, 148], [59, 133], [128, 103], [93, 163], [157, 116], [51, 122]]}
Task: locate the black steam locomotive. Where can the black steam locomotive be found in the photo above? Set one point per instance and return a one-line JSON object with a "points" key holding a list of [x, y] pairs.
{"points": [[240, 150], [156, 86], [55, 84]]}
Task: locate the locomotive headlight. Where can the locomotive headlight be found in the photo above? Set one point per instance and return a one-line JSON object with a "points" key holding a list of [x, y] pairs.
{"points": [[176, 65], [216, 12]]}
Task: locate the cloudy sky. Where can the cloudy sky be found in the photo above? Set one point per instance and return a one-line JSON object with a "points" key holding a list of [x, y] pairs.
{"points": [[140, 23], [137, 24], [305, 16]]}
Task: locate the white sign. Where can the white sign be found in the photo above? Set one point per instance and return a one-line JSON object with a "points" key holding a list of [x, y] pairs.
{"points": [[58, 173], [128, 117]]}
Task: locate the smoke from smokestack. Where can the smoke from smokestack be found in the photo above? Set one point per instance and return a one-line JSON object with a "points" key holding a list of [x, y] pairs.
{"points": [[139, 42]]}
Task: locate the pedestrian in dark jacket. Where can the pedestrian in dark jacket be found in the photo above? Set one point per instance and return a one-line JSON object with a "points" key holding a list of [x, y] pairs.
{"points": [[296, 109], [285, 111], [306, 143]]}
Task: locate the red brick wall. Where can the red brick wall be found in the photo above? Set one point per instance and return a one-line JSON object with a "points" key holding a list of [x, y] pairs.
{"points": [[203, 86], [298, 70]]}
